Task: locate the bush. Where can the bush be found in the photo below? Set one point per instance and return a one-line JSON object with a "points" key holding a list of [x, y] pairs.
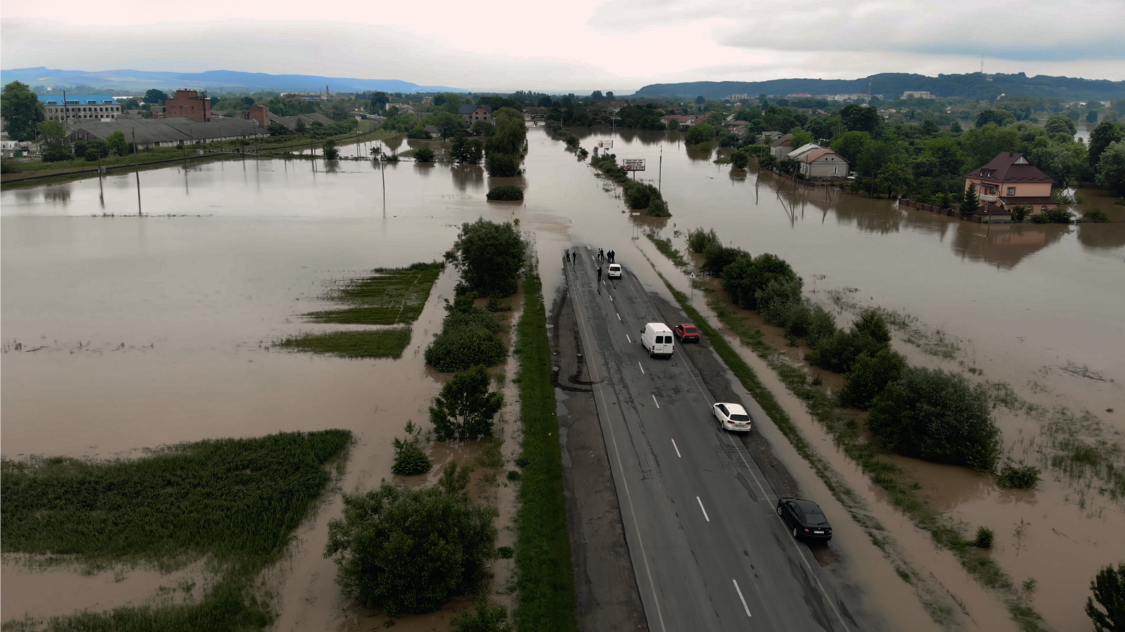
{"points": [[839, 351], [1096, 216], [95, 149], [984, 538], [490, 257], [869, 377], [514, 475], [717, 257], [1052, 216], [739, 160], [937, 416], [330, 150], [467, 339], [483, 618], [465, 408], [1108, 587], [1018, 476], [410, 550], [698, 240], [501, 165], [745, 277], [505, 192], [8, 166], [410, 460], [572, 141], [639, 195], [424, 154], [658, 208], [780, 304], [58, 154]]}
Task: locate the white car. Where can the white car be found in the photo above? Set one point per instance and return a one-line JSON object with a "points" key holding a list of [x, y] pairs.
{"points": [[614, 271], [732, 416]]}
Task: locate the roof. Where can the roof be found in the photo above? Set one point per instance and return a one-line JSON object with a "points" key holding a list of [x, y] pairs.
{"points": [[1009, 166], [168, 130], [991, 208], [803, 149], [817, 154], [780, 140], [77, 99], [469, 109]]}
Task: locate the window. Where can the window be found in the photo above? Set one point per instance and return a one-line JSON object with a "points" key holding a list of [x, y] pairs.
{"points": [[1043, 208], [1011, 190]]}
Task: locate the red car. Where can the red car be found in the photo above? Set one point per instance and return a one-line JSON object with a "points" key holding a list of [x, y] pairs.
{"points": [[687, 333]]}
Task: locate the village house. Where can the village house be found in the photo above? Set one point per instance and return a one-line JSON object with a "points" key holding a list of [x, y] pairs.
{"points": [[823, 163], [781, 146], [683, 119], [1009, 180], [474, 113], [801, 151]]}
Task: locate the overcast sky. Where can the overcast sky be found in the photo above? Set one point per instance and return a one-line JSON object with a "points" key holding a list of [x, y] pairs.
{"points": [[579, 45]]}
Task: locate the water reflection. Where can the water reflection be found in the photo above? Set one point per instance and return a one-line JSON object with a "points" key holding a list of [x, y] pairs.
{"points": [[1101, 236], [699, 152], [1004, 245], [468, 177], [59, 193]]}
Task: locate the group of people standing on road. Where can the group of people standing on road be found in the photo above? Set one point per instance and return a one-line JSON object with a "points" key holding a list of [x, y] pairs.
{"points": [[570, 258], [606, 255]]}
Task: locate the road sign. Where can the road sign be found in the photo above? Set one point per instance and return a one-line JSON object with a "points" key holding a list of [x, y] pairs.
{"points": [[605, 144], [633, 164]]}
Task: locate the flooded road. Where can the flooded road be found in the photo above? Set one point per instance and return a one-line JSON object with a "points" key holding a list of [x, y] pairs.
{"points": [[123, 332]]}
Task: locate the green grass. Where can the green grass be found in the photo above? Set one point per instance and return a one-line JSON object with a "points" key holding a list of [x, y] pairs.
{"points": [[546, 575], [236, 501], [665, 247], [390, 297], [378, 343]]}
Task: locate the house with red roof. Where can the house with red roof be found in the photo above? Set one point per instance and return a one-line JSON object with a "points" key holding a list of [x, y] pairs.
{"points": [[1009, 180], [822, 163]]}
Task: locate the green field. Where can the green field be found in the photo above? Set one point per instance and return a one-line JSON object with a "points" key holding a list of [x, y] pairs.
{"points": [[378, 343], [389, 297]]}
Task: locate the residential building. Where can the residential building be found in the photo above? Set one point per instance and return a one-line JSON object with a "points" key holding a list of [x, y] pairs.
{"points": [[823, 163], [190, 104], [917, 94], [474, 113], [1009, 180], [801, 151], [75, 108], [738, 97], [427, 101], [780, 146], [798, 95], [683, 119]]}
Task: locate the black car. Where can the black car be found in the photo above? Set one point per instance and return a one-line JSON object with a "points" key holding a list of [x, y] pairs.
{"points": [[804, 519]]}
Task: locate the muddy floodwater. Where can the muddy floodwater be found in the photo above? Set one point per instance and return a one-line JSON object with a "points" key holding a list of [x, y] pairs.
{"points": [[122, 332]]}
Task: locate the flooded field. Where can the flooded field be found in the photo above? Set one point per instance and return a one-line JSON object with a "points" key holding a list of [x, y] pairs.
{"points": [[123, 332]]}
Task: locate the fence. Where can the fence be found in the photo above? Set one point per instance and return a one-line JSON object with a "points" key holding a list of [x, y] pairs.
{"points": [[922, 206]]}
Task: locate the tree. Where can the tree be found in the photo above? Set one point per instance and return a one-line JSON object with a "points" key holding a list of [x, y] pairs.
{"points": [[56, 147], [330, 150], [467, 150], [96, 149], [1060, 125], [424, 154], [938, 416], [500, 165], [300, 127], [969, 201], [1111, 168], [22, 111], [699, 100], [870, 375], [155, 96], [410, 550], [465, 408], [449, 124], [1102, 136], [955, 127], [410, 459], [1108, 587], [850, 145], [860, 118], [483, 128], [490, 257], [699, 133], [892, 178], [739, 160], [673, 125], [117, 143], [744, 277], [999, 117], [801, 137]]}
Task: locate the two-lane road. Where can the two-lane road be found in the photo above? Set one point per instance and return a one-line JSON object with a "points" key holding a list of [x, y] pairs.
{"points": [[707, 548]]}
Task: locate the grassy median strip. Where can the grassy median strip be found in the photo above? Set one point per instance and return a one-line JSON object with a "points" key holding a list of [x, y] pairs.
{"points": [[377, 343], [235, 501], [545, 573]]}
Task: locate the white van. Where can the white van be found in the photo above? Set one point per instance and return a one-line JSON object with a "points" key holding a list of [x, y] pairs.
{"points": [[656, 338]]}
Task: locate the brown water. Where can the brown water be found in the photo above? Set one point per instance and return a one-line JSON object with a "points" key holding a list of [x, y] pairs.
{"points": [[135, 332]]}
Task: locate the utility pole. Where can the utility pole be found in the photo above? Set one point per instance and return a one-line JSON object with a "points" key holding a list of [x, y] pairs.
{"points": [[137, 171], [660, 170]]}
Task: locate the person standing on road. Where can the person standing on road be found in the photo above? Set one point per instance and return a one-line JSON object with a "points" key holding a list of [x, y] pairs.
{"points": [[599, 275], [612, 254], [567, 257]]}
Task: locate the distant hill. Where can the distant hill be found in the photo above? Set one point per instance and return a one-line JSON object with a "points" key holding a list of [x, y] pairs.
{"points": [[973, 86], [215, 80]]}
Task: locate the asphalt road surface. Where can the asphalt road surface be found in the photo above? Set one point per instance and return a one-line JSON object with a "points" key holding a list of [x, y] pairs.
{"points": [[708, 549]]}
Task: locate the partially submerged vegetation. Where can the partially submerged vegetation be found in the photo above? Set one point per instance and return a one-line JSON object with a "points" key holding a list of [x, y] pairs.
{"points": [[375, 343], [234, 501], [469, 337], [638, 195], [505, 192], [844, 426]]}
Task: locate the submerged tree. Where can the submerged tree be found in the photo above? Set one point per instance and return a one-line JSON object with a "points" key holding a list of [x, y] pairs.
{"points": [[1108, 587], [465, 408]]}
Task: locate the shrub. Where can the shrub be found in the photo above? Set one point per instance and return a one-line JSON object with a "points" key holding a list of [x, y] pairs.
{"points": [[739, 160], [490, 257], [465, 408], [505, 192], [424, 154], [8, 166], [1108, 587], [871, 322], [1053, 216], [572, 141], [839, 351], [467, 339], [482, 618], [780, 304], [1020, 212], [870, 375], [717, 257], [1018, 476], [745, 277], [1096, 216], [330, 150], [822, 324], [937, 416], [639, 195], [410, 550], [514, 475], [698, 240], [501, 165], [984, 538], [57, 154], [658, 208], [410, 460]]}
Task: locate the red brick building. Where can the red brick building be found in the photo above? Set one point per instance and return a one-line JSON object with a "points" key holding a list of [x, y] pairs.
{"points": [[191, 104], [261, 114]]}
